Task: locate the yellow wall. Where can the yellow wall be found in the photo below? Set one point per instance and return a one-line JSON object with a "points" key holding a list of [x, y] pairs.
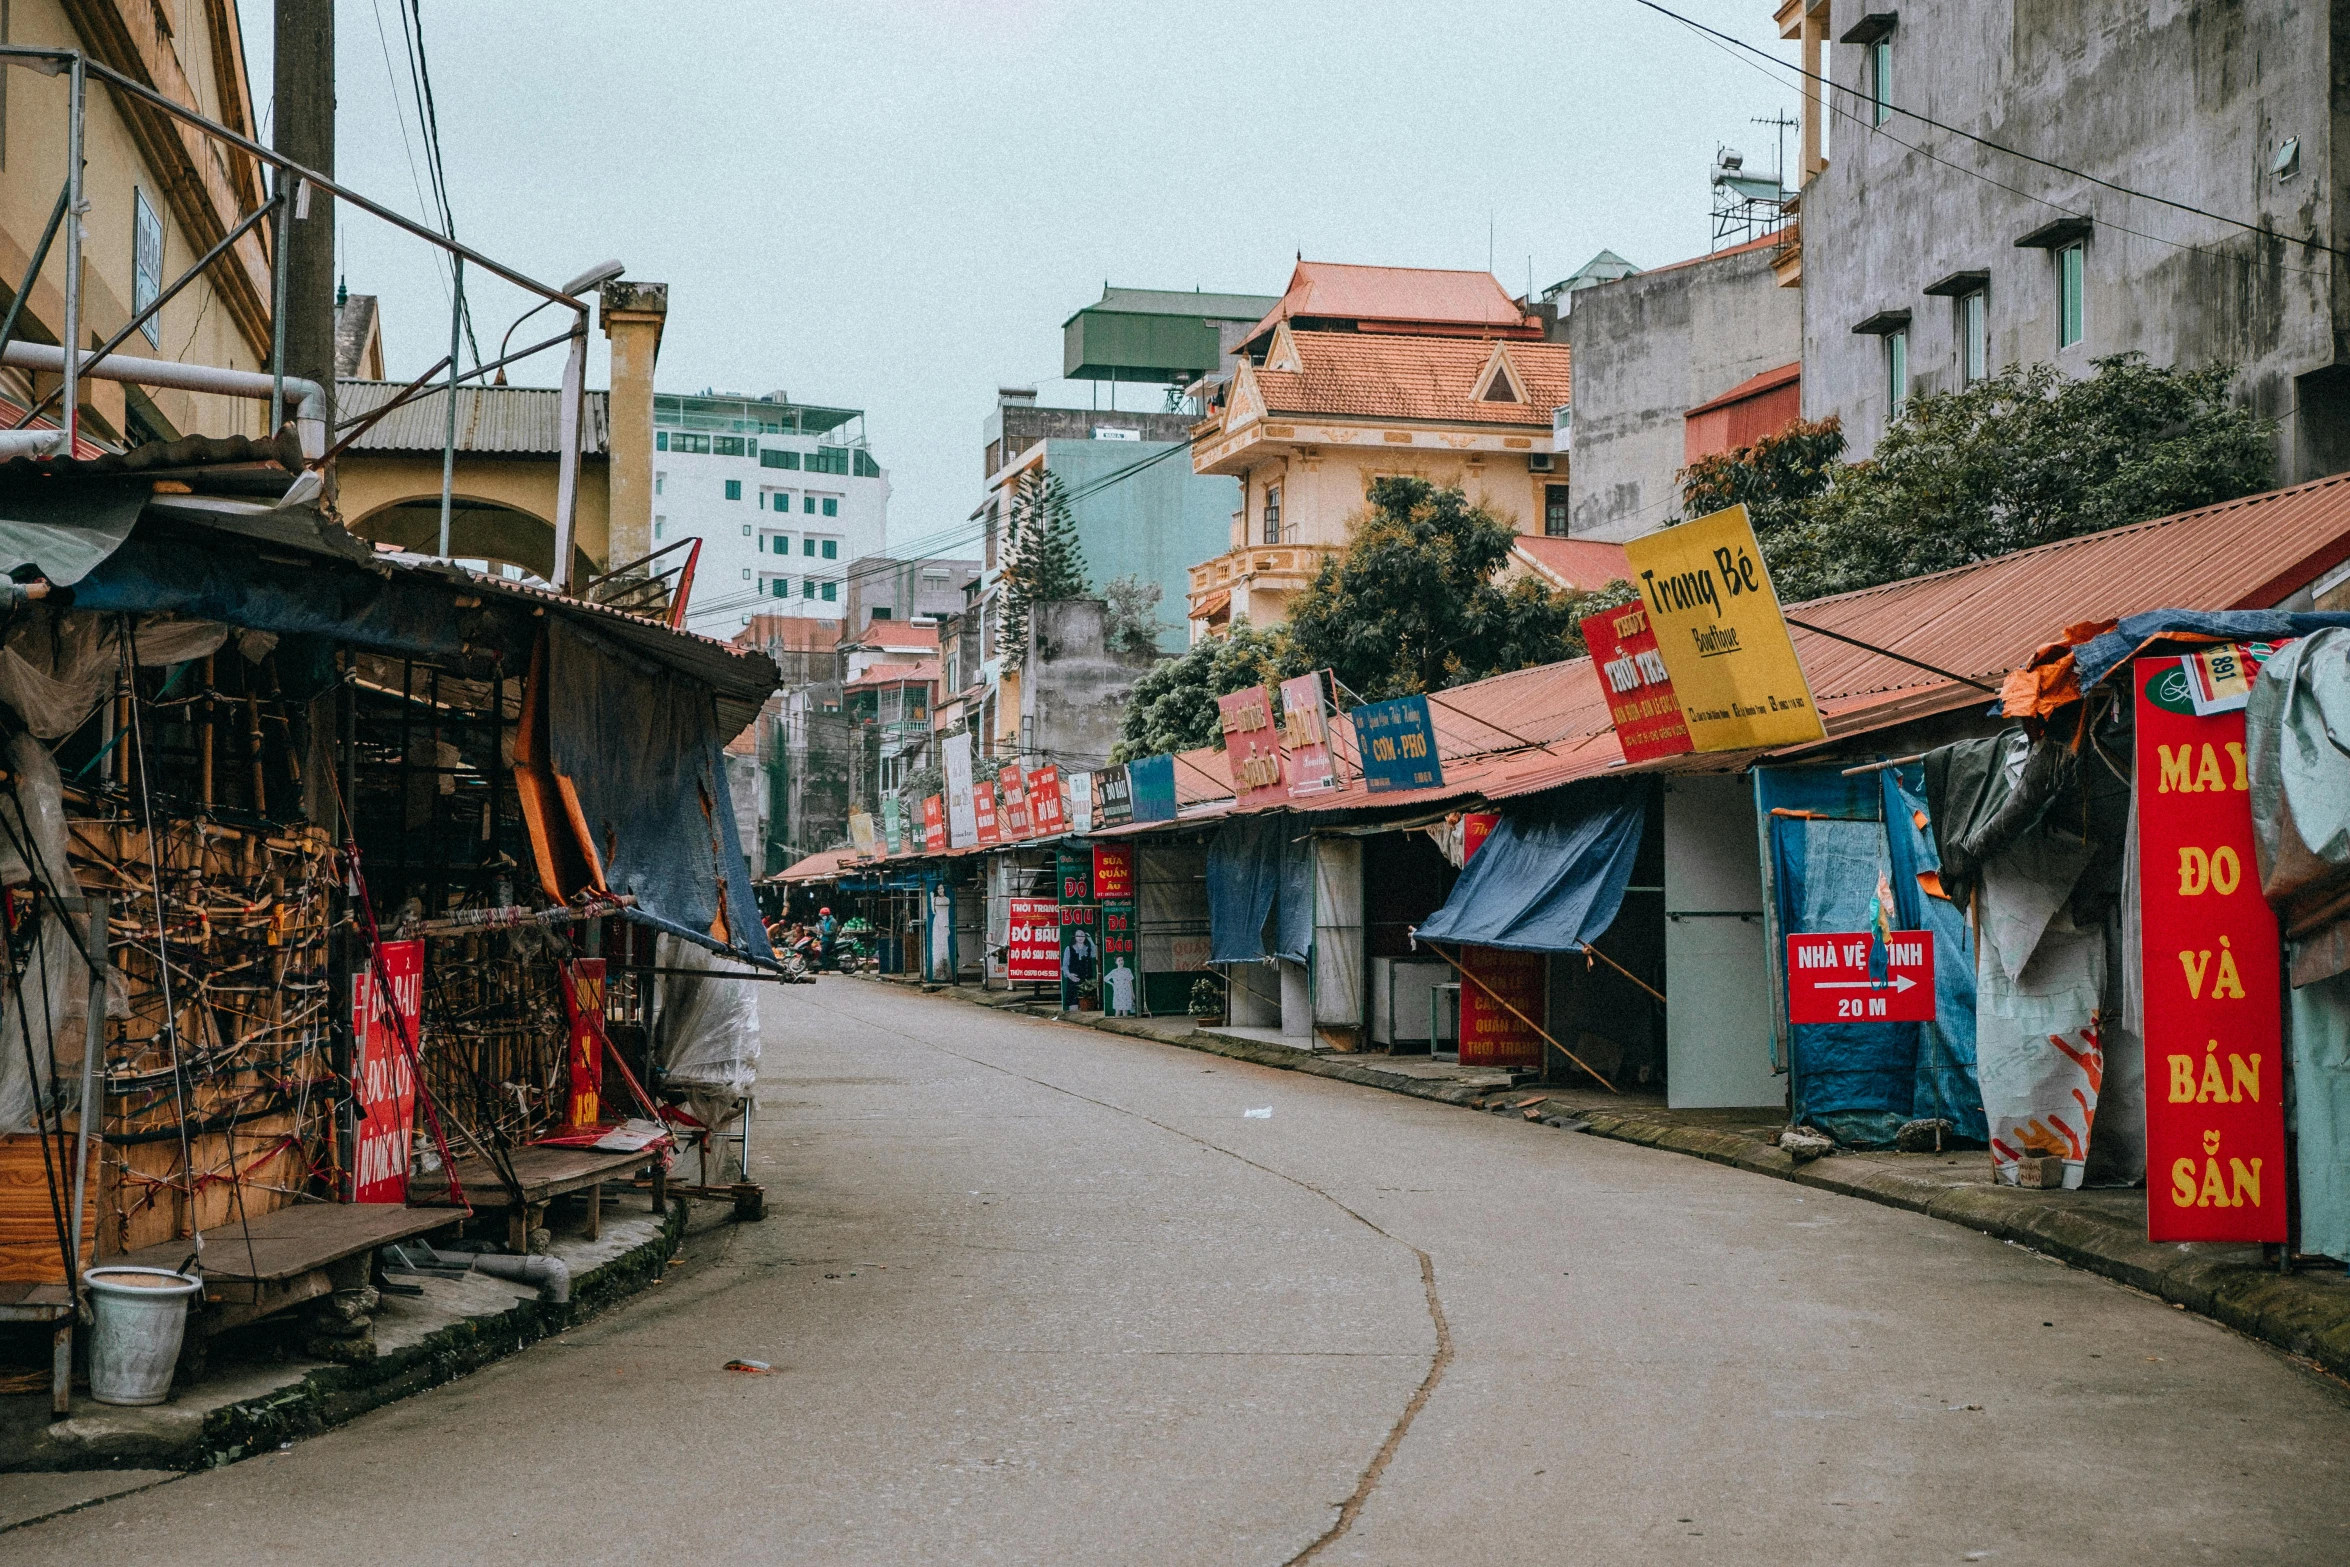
{"points": [[197, 326], [513, 501]]}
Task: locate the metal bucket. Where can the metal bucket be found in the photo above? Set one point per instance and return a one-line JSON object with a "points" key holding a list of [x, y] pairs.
{"points": [[138, 1315]]}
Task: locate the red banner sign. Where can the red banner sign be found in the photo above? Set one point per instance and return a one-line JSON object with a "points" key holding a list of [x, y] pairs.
{"points": [[1044, 802], [583, 1000], [1033, 954], [1252, 746], [2215, 1115], [934, 823], [1011, 803], [1649, 721], [1113, 873], [1305, 734], [1839, 977], [983, 811], [1491, 1033], [385, 1079]]}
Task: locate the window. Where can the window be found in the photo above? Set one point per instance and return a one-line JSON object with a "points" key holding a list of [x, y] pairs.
{"points": [[883, 612], [679, 441], [2072, 277], [146, 263], [808, 504], [1554, 511], [772, 458], [746, 530], [734, 490], [807, 546], [1974, 348], [1272, 514], [831, 592], [867, 468], [660, 483], [828, 459], [832, 549], [727, 445], [831, 505], [775, 587], [660, 526], [808, 588], [1897, 370], [1880, 81], [746, 574]]}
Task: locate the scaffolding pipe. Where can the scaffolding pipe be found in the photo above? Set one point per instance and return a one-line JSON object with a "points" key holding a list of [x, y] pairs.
{"points": [[310, 397]]}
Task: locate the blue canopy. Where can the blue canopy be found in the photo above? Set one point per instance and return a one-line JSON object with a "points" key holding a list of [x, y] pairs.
{"points": [[2098, 657], [1260, 869], [1551, 876]]}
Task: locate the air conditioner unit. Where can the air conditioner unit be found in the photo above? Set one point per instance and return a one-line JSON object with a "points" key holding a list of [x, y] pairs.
{"points": [[1538, 462]]}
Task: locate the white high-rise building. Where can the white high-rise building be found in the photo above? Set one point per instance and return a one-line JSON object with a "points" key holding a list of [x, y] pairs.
{"points": [[783, 496]]}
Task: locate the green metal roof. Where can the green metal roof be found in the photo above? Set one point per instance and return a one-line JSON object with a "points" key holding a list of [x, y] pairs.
{"points": [[1152, 334]]}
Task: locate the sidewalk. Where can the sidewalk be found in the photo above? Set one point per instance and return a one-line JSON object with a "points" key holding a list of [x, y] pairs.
{"points": [[2306, 1314]]}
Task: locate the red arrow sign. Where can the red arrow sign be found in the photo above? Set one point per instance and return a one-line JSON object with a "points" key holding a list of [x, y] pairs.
{"points": [[1831, 979]]}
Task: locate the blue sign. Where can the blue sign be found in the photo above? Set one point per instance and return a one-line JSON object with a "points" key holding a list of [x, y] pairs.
{"points": [[1152, 783], [1397, 743]]}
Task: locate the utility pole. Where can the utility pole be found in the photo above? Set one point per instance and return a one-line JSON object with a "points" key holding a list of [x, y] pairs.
{"points": [[303, 129]]}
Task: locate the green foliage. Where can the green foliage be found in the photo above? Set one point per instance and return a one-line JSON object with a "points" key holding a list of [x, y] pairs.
{"points": [[1774, 477], [919, 786], [1132, 624], [1173, 706], [1043, 562], [2026, 457], [1411, 605]]}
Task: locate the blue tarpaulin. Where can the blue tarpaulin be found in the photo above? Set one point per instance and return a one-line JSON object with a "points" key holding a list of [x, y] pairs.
{"points": [[1260, 870], [1549, 879], [2098, 657], [1946, 1083]]}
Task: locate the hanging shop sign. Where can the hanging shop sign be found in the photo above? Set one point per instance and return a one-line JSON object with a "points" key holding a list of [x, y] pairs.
{"points": [[1724, 642], [1476, 827], [1033, 956], [1852, 977], [962, 807], [385, 1079], [893, 825], [1113, 873], [934, 823], [1011, 803], [984, 813], [2215, 1115], [1044, 803], [1491, 1033], [1633, 678], [1305, 734], [1080, 947], [1150, 788], [583, 1005], [1252, 745], [1113, 796], [861, 832], [1121, 981], [1397, 743], [1074, 869]]}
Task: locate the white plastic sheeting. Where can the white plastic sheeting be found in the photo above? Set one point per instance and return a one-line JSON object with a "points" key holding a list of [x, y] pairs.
{"points": [[56, 667], [43, 1018], [2039, 1006], [705, 1031]]}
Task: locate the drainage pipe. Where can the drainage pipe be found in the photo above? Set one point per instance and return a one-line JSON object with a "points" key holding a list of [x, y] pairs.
{"points": [[548, 1273], [309, 407]]}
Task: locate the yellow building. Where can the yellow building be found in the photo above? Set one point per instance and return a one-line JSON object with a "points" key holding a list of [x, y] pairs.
{"points": [[1364, 373], [160, 194]]}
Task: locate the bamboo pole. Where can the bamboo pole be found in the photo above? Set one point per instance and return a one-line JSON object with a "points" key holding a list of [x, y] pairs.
{"points": [[204, 742], [1522, 1017]]}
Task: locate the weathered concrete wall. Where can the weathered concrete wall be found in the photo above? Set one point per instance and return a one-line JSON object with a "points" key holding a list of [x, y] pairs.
{"points": [[1647, 347], [1073, 685], [2174, 97]]}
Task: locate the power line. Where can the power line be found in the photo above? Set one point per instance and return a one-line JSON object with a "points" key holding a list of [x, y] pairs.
{"points": [[1983, 141]]}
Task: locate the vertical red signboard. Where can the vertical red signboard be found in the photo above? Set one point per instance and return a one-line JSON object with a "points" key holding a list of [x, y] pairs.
{"points": [[1252, 746], [386, 1080], [1011, 803], [934, 823], [983, 810], [1044, 802], [1305, 734], [1492, 1034], [2215, 1121], [1113, 873], [1033, 948], [1649, 721], [583, 1002]]}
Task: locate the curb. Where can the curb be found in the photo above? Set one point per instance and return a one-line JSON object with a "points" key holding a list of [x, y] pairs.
{"points": [[335, 1394], [2306, 1315]]}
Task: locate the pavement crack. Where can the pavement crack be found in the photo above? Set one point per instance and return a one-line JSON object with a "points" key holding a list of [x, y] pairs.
{"points": [[1350, 1509]]}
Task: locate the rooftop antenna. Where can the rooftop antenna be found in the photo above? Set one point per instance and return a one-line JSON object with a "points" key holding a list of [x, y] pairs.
{"points": [[1489, 239], [1781, 124]]}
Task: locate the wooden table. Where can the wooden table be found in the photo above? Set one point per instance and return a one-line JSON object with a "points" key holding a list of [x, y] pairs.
{"points": [[547, 1173], [285, 1257]]}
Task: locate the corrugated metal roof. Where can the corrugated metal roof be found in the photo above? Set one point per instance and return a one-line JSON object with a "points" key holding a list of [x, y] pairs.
{"points": [[517, 421], [1174, 302], [1752, 386]]}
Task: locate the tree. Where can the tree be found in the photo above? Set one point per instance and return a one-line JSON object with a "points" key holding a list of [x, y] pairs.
{"points": [[2027, 457], [1774, 478], [1173, 706], [1411, 605], [1132, 624], [1043, 562]]}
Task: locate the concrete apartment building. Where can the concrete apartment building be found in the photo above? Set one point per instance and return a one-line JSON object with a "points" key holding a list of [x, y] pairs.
{"points": [[921, 591], [1920, 275], [783, 496]]}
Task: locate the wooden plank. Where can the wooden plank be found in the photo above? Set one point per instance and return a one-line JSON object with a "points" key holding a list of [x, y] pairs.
{"points": [[294, 1240], [28, 1224], [545, 1173]]}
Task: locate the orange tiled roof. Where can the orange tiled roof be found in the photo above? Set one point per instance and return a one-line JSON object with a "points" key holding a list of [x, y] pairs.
{"points": [[1380, 376], [1579, 563], [1420, 298]]}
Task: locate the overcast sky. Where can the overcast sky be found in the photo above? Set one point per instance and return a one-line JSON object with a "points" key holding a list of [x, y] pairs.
{"points": [[895, 207]]}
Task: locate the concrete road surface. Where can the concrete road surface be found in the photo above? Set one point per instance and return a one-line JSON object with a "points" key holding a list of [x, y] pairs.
{"points": [[1037, 1294]]}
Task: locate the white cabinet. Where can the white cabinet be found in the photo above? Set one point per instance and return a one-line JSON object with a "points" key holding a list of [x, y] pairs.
{"points": [[1402, 993]]}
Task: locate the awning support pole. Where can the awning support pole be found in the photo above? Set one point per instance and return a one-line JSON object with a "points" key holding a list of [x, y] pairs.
{"points": [[1503, 1002]]}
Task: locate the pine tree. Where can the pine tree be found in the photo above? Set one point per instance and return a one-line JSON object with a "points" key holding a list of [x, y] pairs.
{"points": [[1044, 562]]}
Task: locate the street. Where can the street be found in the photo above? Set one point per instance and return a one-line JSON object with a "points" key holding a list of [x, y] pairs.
{"points": [[1037, 1294]]}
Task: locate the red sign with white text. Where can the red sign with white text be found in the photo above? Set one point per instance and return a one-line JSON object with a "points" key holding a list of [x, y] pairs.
{"points": [[1033, 952], [1492, 1034], [385, 1078], [1252, 745], [1649, 720], [583, 1000], [1849, 976], [1011, 802], [1044, 802], [983, 811], [934, 823], [2215, 1114], [1305, 734], [1113, 873]]}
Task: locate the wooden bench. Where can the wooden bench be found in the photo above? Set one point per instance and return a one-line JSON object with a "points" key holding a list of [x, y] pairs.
{"points": [[287, 1256], [547, 1173]]}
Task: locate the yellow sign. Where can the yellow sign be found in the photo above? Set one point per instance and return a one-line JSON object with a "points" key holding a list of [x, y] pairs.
{"points": [[1724, 642]]}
